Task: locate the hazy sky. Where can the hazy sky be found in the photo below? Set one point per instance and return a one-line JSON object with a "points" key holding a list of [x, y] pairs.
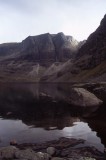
{"points": [[21, 18]]}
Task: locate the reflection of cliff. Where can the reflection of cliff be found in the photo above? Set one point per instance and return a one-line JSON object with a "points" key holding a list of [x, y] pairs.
{"points": [[41, 105], [22, 90], [47, 114], [53, 123]]}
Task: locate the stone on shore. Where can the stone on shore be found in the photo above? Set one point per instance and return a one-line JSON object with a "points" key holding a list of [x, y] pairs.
{"points": [[51, 151], [8, 152], [31, 155], [13, 142], [82, 158], [57, 158], [26, 154], [42, 156], [65, 149]]}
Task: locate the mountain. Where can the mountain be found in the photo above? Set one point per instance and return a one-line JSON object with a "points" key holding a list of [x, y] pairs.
{"points": [[89, 63], [29, 59], [55, 58]]}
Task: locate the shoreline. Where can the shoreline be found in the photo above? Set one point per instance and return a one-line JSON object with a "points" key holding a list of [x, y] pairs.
{"points": [[62, 149]]}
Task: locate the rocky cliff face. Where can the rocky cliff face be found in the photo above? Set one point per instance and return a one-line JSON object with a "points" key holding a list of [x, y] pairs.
{"points": [[43, 48], [28, 60], [38, 48], [93, 52], [49, 48]]}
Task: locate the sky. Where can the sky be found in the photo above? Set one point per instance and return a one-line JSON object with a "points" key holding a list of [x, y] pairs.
{"points": [[21, 18]]}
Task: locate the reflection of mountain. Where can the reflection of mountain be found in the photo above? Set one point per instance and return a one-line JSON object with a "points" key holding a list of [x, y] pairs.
{"points": [[24, 106], [24, 102], [29, 103], [53, 123]]}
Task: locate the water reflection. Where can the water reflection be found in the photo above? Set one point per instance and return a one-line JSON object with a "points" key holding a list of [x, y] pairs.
{"points": [[27, 116]]}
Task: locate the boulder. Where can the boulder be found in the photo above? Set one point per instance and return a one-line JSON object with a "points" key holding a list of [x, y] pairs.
{"points": [[51, 150], [42, 156], [82, 158], [57, 158], [83, 98], [87, 158], [31, 155], [26, 154], [101, 93], [8, 152], [13, 142]]}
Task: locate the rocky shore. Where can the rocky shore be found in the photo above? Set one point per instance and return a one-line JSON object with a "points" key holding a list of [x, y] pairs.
{"points": [[61, 149]]}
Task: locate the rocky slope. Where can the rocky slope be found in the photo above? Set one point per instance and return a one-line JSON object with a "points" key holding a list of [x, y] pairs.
{"points": [[90, 61]]}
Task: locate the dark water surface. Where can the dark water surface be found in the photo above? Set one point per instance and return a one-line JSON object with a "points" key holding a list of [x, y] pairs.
{"points": [[27, 116]]}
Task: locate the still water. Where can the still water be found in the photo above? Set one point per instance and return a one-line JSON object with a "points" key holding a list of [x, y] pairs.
{"points": [[27, 116]]}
